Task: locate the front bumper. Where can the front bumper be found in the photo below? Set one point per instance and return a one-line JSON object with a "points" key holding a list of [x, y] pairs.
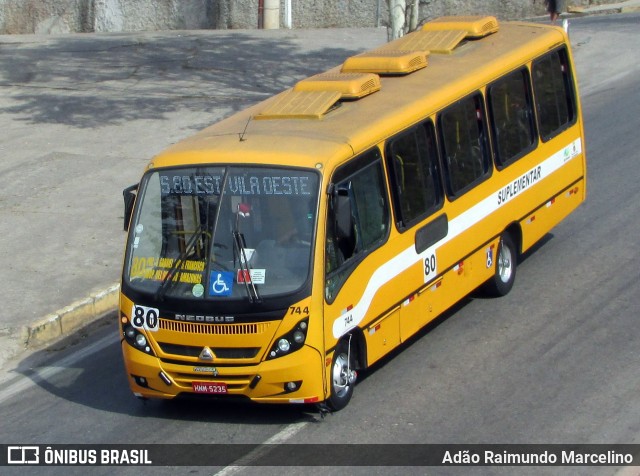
{"points": [[266, 382]]}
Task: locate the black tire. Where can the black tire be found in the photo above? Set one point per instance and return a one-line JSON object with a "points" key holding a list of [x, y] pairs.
{"points": [[343, 376], [505, 268]]}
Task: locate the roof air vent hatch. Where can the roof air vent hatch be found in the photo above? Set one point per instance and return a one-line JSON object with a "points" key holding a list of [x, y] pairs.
{"points": [[386, 61], [475, 26], [349, 85]]}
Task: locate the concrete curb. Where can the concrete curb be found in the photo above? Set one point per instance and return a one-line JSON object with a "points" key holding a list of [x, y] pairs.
{"points": [[600, 11], [71, 318]]}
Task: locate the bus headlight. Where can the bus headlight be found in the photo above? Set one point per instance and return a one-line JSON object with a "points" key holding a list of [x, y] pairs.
{"points": [[298, 337], [141, 341], [135, 338], [290, 342], [284, 345]]}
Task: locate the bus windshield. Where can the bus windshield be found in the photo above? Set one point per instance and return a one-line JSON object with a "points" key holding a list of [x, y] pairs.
{"points": [[214, 232]]}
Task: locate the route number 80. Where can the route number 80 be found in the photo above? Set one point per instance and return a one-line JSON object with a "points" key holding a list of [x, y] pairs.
{"points": [[430, 267], [145, 318]]}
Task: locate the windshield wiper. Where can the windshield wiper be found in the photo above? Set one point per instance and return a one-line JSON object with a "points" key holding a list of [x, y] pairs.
{"points": [[240, 248], [177, 264]]}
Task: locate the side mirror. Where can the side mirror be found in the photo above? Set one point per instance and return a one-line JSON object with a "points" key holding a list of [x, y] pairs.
{"points": [[129, 194], [344, 223]]}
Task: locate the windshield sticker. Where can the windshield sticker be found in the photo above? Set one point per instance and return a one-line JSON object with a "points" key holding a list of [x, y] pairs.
{"points": [[248, 253], [221, 283], [156, 269], [258, 275], [254, 276], [198, 290]]}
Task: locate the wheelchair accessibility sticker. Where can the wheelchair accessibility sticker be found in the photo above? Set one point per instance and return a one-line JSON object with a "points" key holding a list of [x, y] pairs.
{"points": [[221, 283], [490, 256]]}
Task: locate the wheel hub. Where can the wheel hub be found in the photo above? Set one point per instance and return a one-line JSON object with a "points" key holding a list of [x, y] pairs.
{"points": [[504, 264], [343, 376]]}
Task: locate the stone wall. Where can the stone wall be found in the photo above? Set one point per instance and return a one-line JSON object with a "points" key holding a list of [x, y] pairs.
{"points": [[66, 16]]}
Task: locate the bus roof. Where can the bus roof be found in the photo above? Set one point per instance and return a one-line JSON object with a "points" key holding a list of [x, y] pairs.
{"points": [[307, 134]]}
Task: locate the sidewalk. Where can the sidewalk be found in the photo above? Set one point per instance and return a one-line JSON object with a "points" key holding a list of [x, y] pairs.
{"points": [[619, 7], [82, 115]]}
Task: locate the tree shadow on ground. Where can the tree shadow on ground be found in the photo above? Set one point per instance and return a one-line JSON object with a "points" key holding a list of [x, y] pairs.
{"points": [[97, 80]]}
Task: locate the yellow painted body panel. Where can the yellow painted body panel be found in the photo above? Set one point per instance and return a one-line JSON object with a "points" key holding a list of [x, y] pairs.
{"points": [[304, 365], [389, 287], [383, 335], [358, 125]]}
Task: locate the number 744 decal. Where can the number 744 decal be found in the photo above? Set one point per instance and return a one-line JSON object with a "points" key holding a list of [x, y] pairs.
{"points": [[145, 318]]}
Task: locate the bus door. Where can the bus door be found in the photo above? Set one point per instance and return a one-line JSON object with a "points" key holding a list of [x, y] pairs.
{"points": [[360, 298]]}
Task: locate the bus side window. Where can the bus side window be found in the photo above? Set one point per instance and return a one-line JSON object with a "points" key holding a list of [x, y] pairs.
{"points": [[462, 131], [362, 182], [554, 94], [413, 167], [510, 108]]}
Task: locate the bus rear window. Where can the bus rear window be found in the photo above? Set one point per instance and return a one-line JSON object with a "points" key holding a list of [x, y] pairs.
{"points": [[554, 95]]}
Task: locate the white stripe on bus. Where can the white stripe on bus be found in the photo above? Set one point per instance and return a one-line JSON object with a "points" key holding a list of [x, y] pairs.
{"points": [[409, 257]]}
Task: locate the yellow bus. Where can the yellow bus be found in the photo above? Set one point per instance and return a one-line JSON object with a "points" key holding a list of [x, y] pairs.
{"points": [[280, 251]]}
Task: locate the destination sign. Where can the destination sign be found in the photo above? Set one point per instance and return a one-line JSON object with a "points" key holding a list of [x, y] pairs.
{"points": [[241, 184]]}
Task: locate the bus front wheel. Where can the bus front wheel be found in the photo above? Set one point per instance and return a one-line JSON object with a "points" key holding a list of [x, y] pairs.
{"points": [[505, 268], [343, 375]]}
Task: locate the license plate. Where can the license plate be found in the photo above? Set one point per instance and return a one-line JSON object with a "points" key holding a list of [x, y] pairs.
{"points": [[209, 387]]}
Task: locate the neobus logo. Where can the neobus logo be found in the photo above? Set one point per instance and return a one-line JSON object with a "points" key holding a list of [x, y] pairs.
{"points": [[194, 318]]}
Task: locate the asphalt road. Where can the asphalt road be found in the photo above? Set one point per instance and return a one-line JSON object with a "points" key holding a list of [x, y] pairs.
{"points": [[555, 361]]}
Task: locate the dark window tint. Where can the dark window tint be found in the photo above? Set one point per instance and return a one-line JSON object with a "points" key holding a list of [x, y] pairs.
{"points": [[512, 117], [554, 95], [462, 130], [412, 157]]}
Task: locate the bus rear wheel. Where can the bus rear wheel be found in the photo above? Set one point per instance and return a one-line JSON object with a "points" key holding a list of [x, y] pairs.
{"points": [[505, 268], [343, 376]]}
